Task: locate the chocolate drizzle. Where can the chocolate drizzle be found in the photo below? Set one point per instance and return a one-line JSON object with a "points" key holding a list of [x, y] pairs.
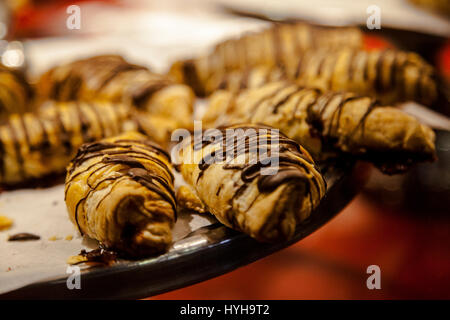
{"points": [[381, 74], [192, 78], [16, 93], [288, 155], [132, 156], [103, 76], [99, 255], [323, 122], [273, 47], [244, 185], [141, 96]]}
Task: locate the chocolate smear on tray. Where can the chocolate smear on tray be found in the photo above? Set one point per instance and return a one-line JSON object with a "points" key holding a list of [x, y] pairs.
{"points": [[24, 237], [99, 255]]}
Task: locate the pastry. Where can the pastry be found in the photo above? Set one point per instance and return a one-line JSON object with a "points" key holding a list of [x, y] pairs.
{"points": [[436, 6], [390, 75], [15, 93], [120, 192], [112, 78], [346, 122], [272, 46], [35, 145], [253, 179]]}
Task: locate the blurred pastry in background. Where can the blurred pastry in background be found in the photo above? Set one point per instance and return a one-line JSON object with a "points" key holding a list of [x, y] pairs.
{"points": [[273, 46], [35, 145], [391, 76], [16, 95], [112, 78], [436, 6], [348, 123]]}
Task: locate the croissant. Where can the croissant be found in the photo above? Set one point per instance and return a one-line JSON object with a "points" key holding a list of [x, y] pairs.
{"points": [[15, 93], [390, 75], [353, 124], [267, 205], [112, 78], [272, 46], [436, 6], [36, 145], [120, 192]]}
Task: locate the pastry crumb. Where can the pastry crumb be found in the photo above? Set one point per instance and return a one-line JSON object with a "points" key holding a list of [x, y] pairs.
{"points": [[5, 223], [69, 237], [54, 238], [77, 259]]}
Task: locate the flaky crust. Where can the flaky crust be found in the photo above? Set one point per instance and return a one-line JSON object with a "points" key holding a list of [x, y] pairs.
{"points": [[350, 123], [120, 192], [271, 46], [266, 207], [15, 93], [36, 145], [112, 78], [391, 76]]}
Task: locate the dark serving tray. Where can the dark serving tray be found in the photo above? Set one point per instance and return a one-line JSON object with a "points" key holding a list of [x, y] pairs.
{"points": [[203, 254]]}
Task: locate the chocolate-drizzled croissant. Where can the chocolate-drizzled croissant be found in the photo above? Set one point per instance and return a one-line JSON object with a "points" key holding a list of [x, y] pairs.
{"points": [[350, 123], [435, 6], [112, 78], [15, 93], [120, 192], [272, 46], [35, 145], [391, 75], [227, 173]]}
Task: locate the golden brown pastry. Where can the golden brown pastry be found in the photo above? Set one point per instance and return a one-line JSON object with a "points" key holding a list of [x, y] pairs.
{"points": [[391, 75], [263, 190], [120, 192], [188, 200], [35, 145], [272, 46], [112, 78], [15, 93], [436, 6], [350, 123]]}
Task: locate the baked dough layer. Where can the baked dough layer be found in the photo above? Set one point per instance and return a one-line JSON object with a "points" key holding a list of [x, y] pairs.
{"points": [[112, 78], [120, 192], [35, 145], [349, 123], [237, 191], [16, 94], [390, 75], [272, 46]]}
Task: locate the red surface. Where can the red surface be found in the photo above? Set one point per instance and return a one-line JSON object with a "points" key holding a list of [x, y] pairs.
{"points": [[413, 254], [443, 60], [45, 18], [371, 42]]}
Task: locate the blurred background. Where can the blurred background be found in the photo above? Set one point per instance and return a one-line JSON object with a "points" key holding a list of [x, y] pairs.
{"points": [[399, 223]]}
